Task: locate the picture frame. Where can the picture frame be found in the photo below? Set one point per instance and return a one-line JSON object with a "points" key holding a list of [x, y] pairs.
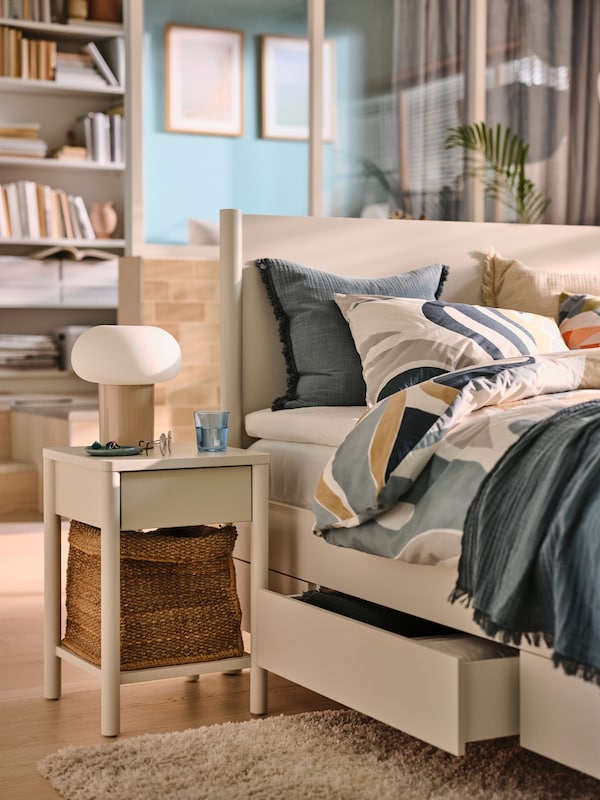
{"points": [[204, 80], [284, 64]]}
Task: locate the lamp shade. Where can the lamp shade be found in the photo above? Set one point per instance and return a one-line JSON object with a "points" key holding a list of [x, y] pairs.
{"points": [[126, 361], [126, 355]]}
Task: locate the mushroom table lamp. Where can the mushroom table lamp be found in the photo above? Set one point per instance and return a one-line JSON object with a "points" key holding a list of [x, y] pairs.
{"points": [[126, 361]]}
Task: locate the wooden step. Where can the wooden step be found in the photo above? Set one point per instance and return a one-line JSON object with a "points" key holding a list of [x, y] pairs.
{"points": [[18, 491]]}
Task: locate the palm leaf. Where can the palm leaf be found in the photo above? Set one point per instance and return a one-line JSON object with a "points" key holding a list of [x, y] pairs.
{"points": [[497, 157]]}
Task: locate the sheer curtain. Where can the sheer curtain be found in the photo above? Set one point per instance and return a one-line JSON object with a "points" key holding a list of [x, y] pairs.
{"points": [[543, 59]]}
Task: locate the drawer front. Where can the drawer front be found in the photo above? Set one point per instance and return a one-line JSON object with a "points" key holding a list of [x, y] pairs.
{"points": [[414, 688], [560, 715], [167, 498]]}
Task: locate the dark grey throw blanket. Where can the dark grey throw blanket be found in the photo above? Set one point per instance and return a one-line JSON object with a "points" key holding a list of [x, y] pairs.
{"points": [[530, 562]]}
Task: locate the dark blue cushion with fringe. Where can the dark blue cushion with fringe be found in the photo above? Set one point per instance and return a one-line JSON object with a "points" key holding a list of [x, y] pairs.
{"points": [[323, 367]]}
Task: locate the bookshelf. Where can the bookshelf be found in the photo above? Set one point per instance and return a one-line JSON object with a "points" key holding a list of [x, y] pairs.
{"points": [[59, 104], [50, 116]]}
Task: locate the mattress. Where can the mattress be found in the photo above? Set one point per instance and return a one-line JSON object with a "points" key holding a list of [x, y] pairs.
{"points": [[295, 469], [300, 442]]}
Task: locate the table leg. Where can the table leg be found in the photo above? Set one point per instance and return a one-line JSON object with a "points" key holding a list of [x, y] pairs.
{"points": [[52, 586], [110, 587], [259, 579]]}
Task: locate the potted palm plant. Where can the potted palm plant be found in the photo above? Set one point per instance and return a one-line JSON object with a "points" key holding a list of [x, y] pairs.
{"points": [[497, 157]]}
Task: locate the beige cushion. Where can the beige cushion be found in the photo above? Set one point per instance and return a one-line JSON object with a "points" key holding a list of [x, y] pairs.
{"points": [[507, 283]]}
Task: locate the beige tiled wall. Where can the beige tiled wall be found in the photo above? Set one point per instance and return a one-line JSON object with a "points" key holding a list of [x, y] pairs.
{"points": [[182, 296]]}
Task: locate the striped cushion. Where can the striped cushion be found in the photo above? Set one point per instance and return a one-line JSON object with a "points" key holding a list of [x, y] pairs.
{"points": [[404, 341], [579, 320]]}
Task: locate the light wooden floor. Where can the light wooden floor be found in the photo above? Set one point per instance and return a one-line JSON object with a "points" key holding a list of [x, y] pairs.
{"points": [[30, 726]]}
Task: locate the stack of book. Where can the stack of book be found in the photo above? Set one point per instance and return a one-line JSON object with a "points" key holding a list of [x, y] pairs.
{"points": [[30, 210], [27, 351], [21, 139], [77, 70]]}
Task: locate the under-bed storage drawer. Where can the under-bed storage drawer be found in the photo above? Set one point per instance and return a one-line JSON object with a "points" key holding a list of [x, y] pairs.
{"points": [[435, 696]]}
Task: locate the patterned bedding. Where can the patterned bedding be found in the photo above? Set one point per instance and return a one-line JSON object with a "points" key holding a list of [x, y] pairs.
{"points": [[401, 483]]}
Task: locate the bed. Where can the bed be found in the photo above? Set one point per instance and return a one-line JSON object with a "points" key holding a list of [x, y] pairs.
{"points": [[445, 689]]}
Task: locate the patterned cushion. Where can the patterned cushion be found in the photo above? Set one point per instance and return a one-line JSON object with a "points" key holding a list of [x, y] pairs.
{"points": [[579, 320], [323, 367], [507, 283], [404, 341]]}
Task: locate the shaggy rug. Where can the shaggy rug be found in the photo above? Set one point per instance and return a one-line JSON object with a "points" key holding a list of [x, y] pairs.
{"points": [[334, 755]]}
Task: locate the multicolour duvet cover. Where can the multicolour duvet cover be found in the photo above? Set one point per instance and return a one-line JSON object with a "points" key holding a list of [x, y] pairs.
{"points": [[402, 481]]}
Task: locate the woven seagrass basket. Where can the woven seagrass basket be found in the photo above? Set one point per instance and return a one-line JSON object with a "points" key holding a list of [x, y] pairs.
{"points": [[179, 603]]}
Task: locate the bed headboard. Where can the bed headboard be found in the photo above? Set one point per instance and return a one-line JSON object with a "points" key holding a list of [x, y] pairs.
{"points": [[252, 365]]}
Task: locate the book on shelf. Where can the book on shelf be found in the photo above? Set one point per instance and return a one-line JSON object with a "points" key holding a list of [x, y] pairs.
{"points": [[102, 134], [19, 146], [77, 232], [44, 200], [13, 210], [101, 64], [70, 153], [20, 130], [83, 219], [29, 210], [117, 138], [26, 58], [67, 252], [5, 229], [113, 51], [65, 214], [30, 10], [31, 215]]}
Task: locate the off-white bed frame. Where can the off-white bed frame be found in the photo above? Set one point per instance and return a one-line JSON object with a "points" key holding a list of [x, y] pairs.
{"points": [[435, 696]]}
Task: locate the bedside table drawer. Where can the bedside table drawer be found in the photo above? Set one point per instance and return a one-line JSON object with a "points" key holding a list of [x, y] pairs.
{"points": [[186, 497]]}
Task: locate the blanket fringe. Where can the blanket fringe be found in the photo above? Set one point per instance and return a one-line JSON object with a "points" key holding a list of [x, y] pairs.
{"points": [[572, 667], [490, 628]]}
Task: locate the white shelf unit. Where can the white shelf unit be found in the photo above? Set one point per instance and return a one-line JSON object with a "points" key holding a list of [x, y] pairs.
{"points": [[56, 107], [32, 305]]}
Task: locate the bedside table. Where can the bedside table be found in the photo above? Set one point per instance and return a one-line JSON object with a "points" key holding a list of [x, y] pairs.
{"points": [[131, 493]]}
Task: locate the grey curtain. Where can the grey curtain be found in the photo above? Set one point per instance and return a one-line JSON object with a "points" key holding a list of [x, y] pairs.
{"points": [[543, 62], [428, 86]]}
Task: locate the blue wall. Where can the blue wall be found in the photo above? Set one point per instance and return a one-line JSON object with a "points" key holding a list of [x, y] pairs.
{"points": [[193, 176], [189, 175]]}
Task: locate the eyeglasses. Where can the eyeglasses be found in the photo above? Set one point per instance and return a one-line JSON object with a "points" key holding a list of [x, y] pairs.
{"points": [[164, 442]]}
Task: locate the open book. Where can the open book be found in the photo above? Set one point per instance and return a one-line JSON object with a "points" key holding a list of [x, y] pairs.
{"points": [[72, 253]]}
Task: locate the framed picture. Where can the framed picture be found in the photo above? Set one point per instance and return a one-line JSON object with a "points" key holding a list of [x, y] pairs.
{"points": [[204, 80], [284, 88]]}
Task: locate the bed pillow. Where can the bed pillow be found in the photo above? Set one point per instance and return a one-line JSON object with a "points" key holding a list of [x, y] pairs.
{"points": [[579, 320], [403, 341], [507, 283], [323, 367]]}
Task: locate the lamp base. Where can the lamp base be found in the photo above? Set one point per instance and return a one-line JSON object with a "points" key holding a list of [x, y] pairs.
{"points": [[126, 413]]}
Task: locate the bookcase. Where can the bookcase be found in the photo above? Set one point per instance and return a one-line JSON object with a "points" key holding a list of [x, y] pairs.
{"points": [[56, 98], [53, 104]]}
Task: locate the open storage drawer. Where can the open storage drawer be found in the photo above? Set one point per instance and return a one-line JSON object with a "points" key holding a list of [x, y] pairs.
{"points": [[436, 696]]}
